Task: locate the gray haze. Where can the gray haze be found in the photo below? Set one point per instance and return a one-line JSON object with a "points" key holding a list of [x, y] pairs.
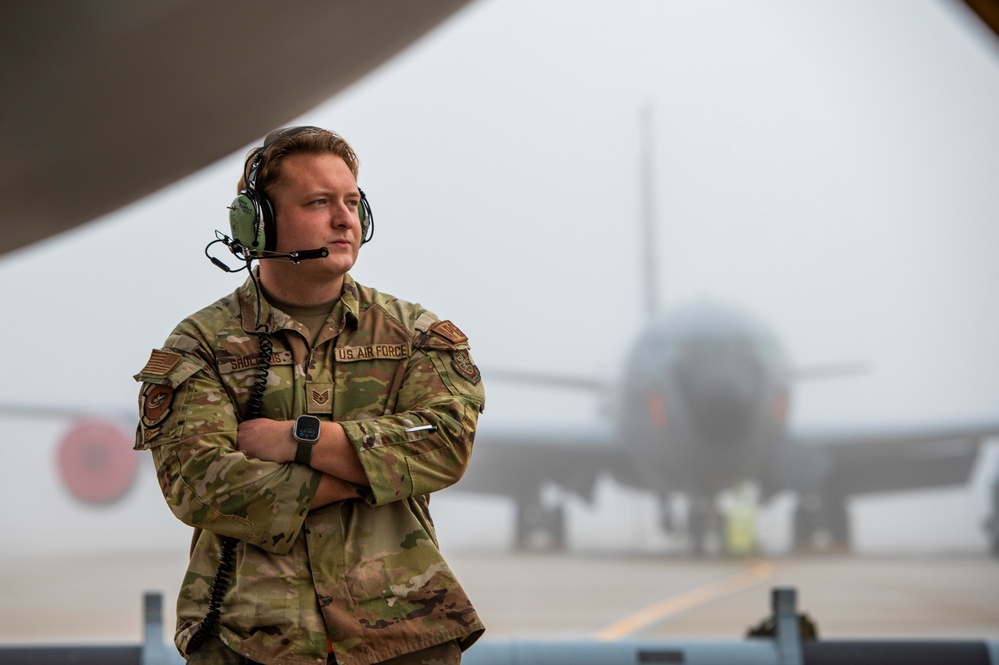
{"points": [[829, 166]]}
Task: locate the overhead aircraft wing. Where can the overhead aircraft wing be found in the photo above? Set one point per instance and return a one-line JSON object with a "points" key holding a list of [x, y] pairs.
{"points": [[872, 459], [517, 461], [106, 101], [987, 11]]}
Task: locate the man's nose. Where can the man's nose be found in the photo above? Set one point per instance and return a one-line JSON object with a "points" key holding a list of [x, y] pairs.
{"points": [[343, 216]]}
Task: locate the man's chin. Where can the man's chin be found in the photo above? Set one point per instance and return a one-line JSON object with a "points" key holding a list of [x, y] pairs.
{"points": [[334, 267]]}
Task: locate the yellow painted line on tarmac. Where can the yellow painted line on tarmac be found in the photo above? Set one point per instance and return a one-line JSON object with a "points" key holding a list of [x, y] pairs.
{"points": [[754, 575]]}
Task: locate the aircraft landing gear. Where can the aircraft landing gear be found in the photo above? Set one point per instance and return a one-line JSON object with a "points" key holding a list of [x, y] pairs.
{"points": [[540, 527], [703, 526], [667, 520], [821, 523]]}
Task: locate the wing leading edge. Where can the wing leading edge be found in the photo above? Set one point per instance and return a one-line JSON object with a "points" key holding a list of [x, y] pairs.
{"points": [[872, 459], [109, 101]]}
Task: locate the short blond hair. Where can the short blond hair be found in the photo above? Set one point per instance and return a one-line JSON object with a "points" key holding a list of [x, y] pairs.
{"points": [[281, 143]]}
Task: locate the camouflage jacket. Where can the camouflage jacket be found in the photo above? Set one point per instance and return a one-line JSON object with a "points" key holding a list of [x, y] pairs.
{"points": [[365, 574]]}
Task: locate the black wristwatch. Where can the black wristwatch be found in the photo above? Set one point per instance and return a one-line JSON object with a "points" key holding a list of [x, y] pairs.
{"points": [[306, 432]]}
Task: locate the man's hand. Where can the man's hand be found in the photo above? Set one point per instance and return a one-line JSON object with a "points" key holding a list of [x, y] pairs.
{"points": [[330, 491], [266, 439]]}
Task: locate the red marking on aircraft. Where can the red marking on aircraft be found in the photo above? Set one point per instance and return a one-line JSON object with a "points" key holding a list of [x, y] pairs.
{"points": [[96, 462]]}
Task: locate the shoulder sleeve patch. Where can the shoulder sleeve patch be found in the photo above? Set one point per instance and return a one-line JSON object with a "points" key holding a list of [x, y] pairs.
{"points": [[155, 402], [461, 361], [162, 379], [160, 363], [168, 368], [448, 331]]}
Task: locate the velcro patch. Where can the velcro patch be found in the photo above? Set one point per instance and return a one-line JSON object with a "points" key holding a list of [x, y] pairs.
{"points": [[349, 354], [319, 397], [462, 363], [448, 331], [160, 363], [237, 363], [156, 401]]}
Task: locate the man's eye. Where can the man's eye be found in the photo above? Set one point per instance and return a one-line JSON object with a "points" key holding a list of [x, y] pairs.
{"points": [[318, 202]]}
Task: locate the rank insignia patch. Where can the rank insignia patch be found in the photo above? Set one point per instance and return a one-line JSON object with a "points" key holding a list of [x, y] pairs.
{"points": [[448, 331], [319, 398], [156, 401], [463, 364]]}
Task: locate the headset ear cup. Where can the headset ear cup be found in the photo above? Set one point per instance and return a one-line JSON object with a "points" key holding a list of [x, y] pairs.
{"points": [[243, 220], [251, 220]]}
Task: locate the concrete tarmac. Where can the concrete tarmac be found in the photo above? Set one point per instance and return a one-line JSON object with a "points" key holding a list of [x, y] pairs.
{"points": [[613, 596], [616, 597]]}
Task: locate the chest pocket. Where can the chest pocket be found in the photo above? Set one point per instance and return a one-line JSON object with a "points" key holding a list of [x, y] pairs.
{"points": [[241, 373], [367, 379]]}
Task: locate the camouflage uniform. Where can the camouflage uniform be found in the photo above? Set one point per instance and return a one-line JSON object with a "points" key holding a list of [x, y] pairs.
{"points": [[365, 574]]}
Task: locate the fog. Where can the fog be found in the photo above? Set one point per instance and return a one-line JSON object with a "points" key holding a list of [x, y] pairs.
{"points": [[829, 166]]}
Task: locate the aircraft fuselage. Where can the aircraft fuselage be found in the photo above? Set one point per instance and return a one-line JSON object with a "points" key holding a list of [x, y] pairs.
{"points": [[704, 402]]}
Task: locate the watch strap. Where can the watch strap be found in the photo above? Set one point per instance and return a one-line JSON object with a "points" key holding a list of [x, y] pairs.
{"points": [[303, 454]]}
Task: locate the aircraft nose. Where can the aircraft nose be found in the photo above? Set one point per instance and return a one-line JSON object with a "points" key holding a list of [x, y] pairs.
{"points": [[721, 399]]}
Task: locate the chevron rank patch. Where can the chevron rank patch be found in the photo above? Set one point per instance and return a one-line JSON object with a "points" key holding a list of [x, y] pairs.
{"points": [[448, 331], [319, 397]]}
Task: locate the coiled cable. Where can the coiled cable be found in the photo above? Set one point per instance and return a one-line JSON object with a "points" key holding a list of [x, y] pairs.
{"points": [[227, 546]]}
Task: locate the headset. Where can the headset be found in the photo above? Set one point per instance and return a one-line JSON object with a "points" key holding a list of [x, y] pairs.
{"points": [[251, 214]]}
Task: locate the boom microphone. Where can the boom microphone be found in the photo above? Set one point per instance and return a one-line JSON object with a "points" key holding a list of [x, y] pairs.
{"points": [[247, 255], [296, 257]]}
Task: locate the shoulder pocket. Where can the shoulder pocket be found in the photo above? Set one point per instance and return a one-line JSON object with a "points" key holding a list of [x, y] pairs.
{"points": [[448, 348], [165, 372]]}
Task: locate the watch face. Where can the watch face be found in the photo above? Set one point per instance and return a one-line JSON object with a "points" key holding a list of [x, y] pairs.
{"points": [[307, 428]]}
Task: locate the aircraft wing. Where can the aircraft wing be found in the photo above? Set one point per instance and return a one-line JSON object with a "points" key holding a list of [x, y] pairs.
{"points": [[106, 101], [871, 459], [518, 460], [987, 11]]}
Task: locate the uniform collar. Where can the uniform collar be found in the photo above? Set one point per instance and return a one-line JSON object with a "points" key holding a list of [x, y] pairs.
{"points": [[350, 299], [345, 312]]}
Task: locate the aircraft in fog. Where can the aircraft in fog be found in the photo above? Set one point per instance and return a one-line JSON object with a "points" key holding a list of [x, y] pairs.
{"points": [[701, 406]]}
